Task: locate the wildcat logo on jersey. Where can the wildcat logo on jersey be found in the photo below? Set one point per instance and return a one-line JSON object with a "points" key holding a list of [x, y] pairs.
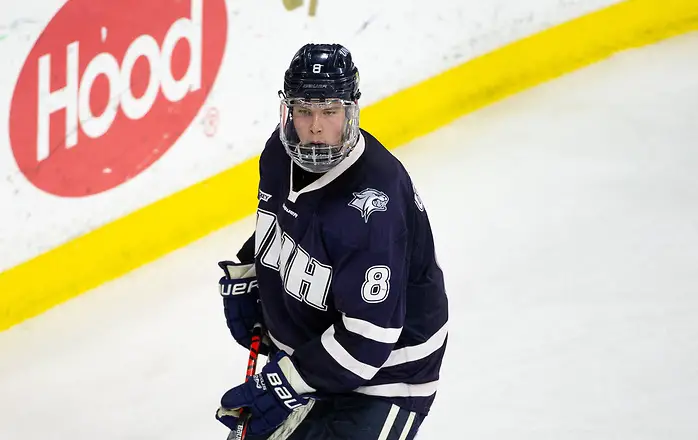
{"points": [[369, 201]]}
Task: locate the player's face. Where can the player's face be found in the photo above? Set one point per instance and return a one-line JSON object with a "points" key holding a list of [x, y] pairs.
{"points": [[320, 125]]}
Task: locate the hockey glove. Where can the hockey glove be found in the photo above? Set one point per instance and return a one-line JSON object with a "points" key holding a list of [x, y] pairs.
{"points": [[268, 397], [241, 303]]}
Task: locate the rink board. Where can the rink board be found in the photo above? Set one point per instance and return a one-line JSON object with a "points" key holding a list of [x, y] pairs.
{"points": [[129, 242]]}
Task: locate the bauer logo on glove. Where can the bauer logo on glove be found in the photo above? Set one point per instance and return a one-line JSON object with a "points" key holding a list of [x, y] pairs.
{"points": [[284, 395], [269, 397], [239, 278], [237, 287], [241, 305]]}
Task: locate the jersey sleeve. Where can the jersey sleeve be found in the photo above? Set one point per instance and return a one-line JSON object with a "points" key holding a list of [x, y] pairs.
{"points": [[246, 252], [368, 286]]}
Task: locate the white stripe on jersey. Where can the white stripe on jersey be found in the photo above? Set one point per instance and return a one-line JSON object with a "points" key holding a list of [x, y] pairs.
{"points": [[400, 389], [417, 352], [344, 358], [397, 357], [281, 345], [371, 331]]}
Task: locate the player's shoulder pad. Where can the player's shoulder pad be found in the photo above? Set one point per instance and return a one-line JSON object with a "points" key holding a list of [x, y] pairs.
{"points": [[395, 172], [273, 145], [273, 165], [374, 209]]}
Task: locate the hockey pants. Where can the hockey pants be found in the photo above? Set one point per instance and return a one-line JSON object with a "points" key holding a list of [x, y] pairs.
{"points": [[349, 417]]}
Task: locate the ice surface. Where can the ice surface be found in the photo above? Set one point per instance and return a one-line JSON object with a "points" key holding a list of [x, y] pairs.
{"points": [[566, 221]]}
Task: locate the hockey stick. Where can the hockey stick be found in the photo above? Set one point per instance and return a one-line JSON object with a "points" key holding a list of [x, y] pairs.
{"points": [[241, 430]]}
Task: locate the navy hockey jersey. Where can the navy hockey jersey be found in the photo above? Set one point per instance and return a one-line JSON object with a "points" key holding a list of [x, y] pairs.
{"points": [[347, 275]]}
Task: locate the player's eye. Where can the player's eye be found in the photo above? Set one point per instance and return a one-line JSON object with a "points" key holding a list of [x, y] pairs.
{"points": [[330, 112]]}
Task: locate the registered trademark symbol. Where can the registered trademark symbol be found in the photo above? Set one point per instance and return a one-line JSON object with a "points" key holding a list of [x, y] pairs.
{"points": [[211, 121]]}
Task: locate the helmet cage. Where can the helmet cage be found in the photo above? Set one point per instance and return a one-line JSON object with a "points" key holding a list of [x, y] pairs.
{"points": [[318, 157]]}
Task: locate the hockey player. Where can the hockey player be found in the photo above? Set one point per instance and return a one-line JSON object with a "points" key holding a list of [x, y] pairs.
{"points": [[340, 272]]}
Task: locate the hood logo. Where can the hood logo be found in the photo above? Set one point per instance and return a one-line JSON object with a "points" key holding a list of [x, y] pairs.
{"points": [[369, 201]]}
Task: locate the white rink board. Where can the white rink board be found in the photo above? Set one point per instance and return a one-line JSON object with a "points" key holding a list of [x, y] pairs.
{"points": [[394, 43]]}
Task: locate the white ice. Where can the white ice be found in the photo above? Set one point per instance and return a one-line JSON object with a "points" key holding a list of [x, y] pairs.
{"points": [[566, 220]]}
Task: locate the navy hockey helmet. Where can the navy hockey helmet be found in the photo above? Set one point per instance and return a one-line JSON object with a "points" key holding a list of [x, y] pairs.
{"points": [[319, 111], [322, 71]]}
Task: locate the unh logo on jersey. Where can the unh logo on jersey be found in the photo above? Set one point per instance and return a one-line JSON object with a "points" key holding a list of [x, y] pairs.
{"points": [[369, 201]]}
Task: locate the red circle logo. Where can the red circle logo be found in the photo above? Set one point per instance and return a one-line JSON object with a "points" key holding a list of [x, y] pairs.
{"points": [[109, 87]]}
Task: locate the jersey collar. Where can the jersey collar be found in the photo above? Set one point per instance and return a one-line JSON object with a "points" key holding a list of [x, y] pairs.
{"points": [[332, 174]]}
